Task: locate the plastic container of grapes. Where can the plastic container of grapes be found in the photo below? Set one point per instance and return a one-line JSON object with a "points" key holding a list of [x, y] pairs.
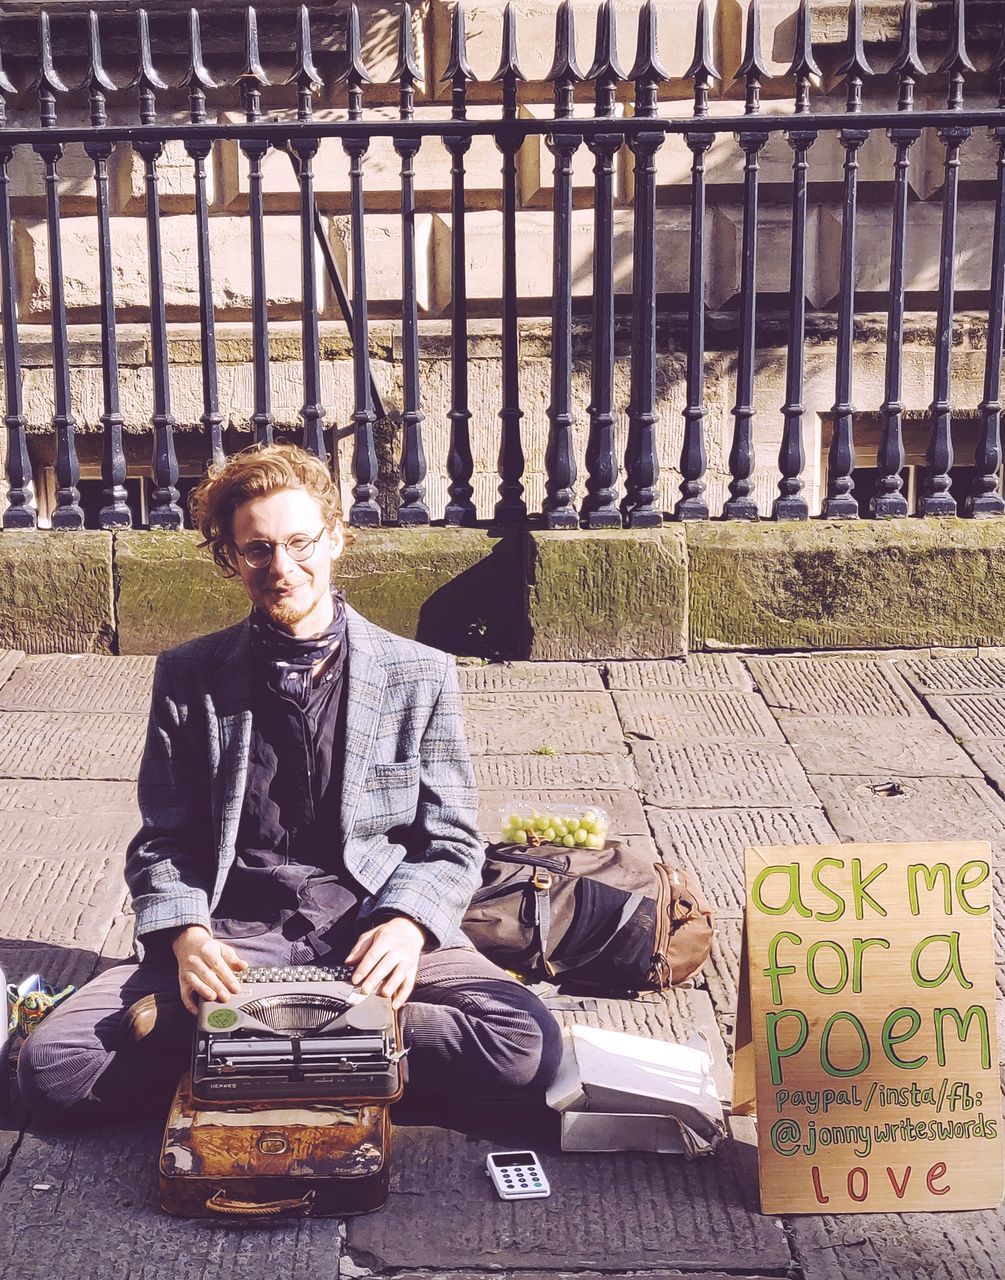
{"points": [[568, 826]]}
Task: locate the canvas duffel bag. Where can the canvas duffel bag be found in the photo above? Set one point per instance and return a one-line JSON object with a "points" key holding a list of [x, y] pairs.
{"points": [[591, 919]]}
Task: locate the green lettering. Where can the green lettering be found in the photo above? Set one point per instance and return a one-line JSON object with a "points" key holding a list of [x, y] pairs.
{"points": [[793, 901], [964, 885], [963, 1031], [776, 1053], [859, 886], [859, 946], [811, 971], [774, 971], [825, 1036], [953, 963], [931, 874], [827, 891], [892, 1039]]}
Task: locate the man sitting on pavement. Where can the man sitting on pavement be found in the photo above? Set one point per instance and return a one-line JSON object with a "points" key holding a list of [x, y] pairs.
{"points": [[306, 797]]}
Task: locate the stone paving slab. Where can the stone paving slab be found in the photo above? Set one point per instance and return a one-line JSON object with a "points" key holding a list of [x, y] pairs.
{"points": [[834, 686], [718, 775], [908, 809], [989, 757], [99, 1217], [689, 716], [530, 677], [9, 660], [722, 970], [697, 671], [68, 799], [517, 723], [955, 674], [606, 1210], [100, 746], [710, 842], [79, 682], [971, 715], [871, 744], [88, 831], [623, 808], [349, 1273], [533, 773], [67, 902], [915, 1246]]}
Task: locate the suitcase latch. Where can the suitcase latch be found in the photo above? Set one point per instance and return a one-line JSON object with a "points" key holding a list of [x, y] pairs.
{"points": [[273, 1144]]}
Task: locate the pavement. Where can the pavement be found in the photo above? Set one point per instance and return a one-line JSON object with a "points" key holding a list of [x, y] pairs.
{"points": [[693, 760]]}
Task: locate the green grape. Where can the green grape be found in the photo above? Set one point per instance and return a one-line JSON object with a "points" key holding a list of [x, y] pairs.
{"points": [[569, 841], [548, 834], [519, 837], [581, 835], [594, 842], [540, 824]]}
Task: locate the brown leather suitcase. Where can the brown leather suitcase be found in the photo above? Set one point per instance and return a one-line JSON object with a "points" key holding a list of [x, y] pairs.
{"points": [[261, 1161]]}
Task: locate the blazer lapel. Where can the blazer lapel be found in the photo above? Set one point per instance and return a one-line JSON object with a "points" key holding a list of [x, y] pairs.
{"points": [[231, 698], [364, 700]]}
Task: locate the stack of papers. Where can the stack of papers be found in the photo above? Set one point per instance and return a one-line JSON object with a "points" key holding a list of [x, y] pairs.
{"points": [[619, 1092]]}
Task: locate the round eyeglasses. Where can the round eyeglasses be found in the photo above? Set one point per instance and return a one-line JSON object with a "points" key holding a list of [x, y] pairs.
{"points": [[258, 553]]}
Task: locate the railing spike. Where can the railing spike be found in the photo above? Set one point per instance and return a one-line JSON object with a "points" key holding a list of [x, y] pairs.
{"points": [[146, 79], [96, 79], [998, 65], [908, 65], [804, 64], [458, 69], [565, 69], [305, 74], [606, 68], [253, 71], [196, 77], [648, 68], [957, 60], [509, 63], [406, 70], [702, 68], [354, 75], [753, 69], [47, 83], [6, 85], [855, 67]]}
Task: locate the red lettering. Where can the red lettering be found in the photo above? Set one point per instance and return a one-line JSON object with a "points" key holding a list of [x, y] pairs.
{"points": [[863, 1178], [817, 1189], [899, 1188], [937, 1171]]}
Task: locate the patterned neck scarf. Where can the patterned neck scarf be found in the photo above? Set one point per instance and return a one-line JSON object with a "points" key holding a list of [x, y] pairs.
{"points": [[289, 661]]}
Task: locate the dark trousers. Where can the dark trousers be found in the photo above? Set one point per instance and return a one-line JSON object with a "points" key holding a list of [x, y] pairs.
{"points": [[471, 1031]]}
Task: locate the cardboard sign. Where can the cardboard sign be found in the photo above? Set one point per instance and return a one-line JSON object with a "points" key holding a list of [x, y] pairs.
{"points": [[872, 1020]]}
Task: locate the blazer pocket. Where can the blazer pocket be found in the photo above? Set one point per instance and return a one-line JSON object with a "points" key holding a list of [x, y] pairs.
{"points": [[390, 794]]}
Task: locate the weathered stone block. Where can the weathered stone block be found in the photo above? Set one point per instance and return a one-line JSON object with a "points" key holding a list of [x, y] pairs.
{"points": [[616, 594], [231, 259], [382, 241], [175, 179], [381, 169], [169, 591], [536, 164], [56, 592], [456, 589], [849, 585], [535, 232]]}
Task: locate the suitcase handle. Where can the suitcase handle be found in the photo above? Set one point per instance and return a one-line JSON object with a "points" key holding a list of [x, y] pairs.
{"points": [[219, 1203]]}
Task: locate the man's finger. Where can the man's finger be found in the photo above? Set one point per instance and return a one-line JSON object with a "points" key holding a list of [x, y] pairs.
{"points": [[378, 974], [227, 975], [368, 961], [360, 948], [210, 979], [236, 962]]}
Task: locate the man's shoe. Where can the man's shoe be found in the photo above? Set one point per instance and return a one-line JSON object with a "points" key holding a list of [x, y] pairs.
{"points": [[155, 1013]]}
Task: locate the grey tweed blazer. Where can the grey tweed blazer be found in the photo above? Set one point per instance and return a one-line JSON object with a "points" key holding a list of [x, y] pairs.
{"points": [[408, 814]]}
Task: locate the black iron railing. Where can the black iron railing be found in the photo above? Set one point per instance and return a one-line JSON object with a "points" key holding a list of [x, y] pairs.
{"points": [[619, 488]]}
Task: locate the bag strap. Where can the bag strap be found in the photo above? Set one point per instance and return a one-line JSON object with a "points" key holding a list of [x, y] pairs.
{"points": [[541, 883]]}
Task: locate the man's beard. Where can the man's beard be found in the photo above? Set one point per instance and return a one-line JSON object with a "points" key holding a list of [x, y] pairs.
{"points": [[287, 614]]}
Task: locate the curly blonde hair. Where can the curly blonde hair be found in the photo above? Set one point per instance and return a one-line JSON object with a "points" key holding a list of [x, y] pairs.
{"points": [[253, 473]]}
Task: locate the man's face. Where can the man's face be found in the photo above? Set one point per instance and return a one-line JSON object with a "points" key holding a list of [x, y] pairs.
{"points": [[295, 596]]}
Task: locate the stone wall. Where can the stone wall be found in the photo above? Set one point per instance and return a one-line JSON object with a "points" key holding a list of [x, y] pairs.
{"points": [[536, 22]]}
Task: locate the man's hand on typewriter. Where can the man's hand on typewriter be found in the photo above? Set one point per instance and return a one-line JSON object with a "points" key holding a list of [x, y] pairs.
{"points": [[207, 968], [386, 959]]}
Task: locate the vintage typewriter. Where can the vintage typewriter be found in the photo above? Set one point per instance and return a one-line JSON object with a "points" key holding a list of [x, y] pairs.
{"points": [[300, 1033]]}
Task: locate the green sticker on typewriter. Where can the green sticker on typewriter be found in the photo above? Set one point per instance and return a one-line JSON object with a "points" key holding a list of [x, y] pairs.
{"points": [[222, 1019]]}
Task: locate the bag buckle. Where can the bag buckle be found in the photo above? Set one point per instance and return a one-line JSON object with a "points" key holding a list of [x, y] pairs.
{"points": [[541, 880]]}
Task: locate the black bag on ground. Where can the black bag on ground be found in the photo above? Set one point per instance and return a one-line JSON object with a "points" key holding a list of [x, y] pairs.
{"points": [[600, 919]]}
